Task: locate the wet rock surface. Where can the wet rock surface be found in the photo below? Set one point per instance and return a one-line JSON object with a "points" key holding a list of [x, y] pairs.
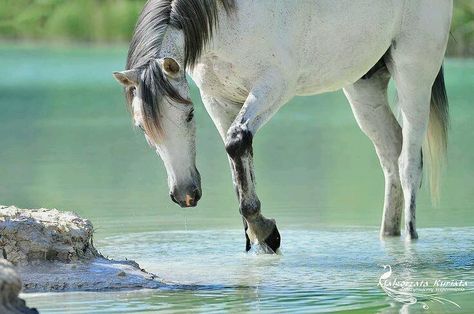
{"points": [[10, 287], [99, 274], [54, 251]]}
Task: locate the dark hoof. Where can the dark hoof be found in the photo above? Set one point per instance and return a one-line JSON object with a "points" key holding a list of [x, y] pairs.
{"points": [[273, 240]]}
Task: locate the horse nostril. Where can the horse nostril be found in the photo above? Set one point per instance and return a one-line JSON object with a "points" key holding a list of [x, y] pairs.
{"points": [[197, 195], [173, 199], [192, 198]]}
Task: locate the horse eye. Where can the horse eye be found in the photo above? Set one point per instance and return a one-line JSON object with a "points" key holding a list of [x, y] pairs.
{"points": [[141, 127], [133, 91], [190, 116]]}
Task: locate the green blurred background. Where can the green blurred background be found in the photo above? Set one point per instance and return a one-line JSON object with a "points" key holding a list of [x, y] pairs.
{"points": [[67, 142], [112, 21]]}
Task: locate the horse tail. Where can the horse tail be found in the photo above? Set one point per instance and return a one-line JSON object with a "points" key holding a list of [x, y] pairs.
{"points": [[436, 142]]}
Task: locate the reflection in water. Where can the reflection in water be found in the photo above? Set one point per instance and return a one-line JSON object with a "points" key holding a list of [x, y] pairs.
{"points": [[318, 271]]}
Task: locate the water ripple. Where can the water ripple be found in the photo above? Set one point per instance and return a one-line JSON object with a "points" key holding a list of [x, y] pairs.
{"points": [[318, 271]]}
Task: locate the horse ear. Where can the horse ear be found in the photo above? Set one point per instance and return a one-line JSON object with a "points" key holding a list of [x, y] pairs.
{"points": [[127, 78], [170, 66]]}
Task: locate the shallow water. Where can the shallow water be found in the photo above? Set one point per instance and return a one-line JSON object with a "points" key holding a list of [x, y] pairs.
{"points": [[318, 271], [68, 143]]}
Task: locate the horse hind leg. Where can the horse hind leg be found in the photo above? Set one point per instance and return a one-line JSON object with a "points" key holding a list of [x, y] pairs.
{"points": [[369, 103], [414, 62], [415, 109]]}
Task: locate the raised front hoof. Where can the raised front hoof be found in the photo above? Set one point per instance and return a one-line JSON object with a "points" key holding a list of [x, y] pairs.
{"points": [[273, 241], [262, 233], [269, 245]]}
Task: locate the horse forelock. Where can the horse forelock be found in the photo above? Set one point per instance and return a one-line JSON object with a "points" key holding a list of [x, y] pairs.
{"points": [[154, 88], [197, 19]]}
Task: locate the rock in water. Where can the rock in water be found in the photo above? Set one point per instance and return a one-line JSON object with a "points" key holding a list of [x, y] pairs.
{"points": [[29, 236], [10, 287], [53, 251]]}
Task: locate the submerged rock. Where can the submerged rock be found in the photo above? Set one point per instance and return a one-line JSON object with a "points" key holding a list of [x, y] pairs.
{"points": [[98, 274], [54, 251], [10, 287]]}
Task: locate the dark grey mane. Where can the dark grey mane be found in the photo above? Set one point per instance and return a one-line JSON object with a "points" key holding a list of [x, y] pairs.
{"points": [[197, 19]]}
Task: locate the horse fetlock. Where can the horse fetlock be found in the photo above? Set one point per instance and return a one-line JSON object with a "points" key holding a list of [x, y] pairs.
{"points": [[238, 141], [250, 210]]}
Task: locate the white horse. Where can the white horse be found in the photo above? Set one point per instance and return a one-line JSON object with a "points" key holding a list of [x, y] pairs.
{"points": [[249, 58]]}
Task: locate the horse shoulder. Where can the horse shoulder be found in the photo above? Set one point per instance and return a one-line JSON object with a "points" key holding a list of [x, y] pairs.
{"points": [[213, 81]]}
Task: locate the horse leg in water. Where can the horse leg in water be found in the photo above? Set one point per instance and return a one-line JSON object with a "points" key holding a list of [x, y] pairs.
{"points": [[264, 99], [223, 115], [415, 63], [369, 103]]}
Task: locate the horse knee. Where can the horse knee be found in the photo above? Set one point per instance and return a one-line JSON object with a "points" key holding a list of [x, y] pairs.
{"points": [[238, 142]]}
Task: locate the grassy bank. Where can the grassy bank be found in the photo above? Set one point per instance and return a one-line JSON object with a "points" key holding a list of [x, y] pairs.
{"points": [[74, 20], [113, 21]]}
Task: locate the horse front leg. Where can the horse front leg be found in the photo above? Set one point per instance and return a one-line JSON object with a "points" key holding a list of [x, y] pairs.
{"points": [[263, 101], [223, 115], [258, 228]]}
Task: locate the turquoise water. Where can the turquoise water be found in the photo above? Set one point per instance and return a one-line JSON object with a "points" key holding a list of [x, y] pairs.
{"points": [[320, 271], [68, 143]]}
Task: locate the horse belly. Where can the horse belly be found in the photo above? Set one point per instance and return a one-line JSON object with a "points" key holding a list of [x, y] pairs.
{"points": [[334, 75]]}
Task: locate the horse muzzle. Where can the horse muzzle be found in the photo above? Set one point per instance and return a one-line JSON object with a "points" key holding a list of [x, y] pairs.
{"points": [[188, 197]]}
